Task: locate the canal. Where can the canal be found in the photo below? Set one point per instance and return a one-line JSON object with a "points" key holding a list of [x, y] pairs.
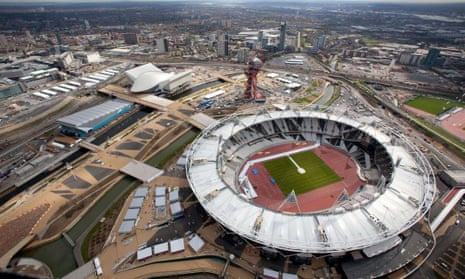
{"points": [[58, 254]]}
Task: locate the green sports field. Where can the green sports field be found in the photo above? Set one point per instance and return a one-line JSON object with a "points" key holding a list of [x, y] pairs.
{"points": [[285, 173], [432, 105]]}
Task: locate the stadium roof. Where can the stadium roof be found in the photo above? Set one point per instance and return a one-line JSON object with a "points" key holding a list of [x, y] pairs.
{"points": [[404, 201], [85, 120]]}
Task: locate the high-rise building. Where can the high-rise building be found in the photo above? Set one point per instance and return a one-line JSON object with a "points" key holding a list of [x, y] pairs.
{"points": [[430, 59], [243, 55], [223, 45], [282, 35], [260, 39], [162, 45], [131, 38], [319, 43], [298, 43]]}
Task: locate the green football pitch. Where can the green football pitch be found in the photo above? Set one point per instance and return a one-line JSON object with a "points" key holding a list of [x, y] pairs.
{"points": [[284, 172], [433, 105]]}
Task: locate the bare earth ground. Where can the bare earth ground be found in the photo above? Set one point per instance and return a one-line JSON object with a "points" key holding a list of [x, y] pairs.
{"points": [[455, 124]]}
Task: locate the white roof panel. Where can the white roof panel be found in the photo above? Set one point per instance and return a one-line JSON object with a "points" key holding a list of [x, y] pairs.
{"points": [[173, 195], [270, 273], [132, 214], [177, 245], [160, 191], [160, 248], [141, 192], [175, 208], [160, 201], [126, 226], [136, 203], [144, 253], [196, 243]]}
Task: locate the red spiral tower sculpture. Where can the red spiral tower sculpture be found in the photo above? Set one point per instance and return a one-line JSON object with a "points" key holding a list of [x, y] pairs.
{"points": [[254, 64]]}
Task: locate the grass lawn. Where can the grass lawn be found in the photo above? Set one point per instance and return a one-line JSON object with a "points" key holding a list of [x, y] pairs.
{"points": [[285, 173], [433, 105]]}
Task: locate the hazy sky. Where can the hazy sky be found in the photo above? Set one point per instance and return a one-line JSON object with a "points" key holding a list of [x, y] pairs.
{"points": [[223, 1]]}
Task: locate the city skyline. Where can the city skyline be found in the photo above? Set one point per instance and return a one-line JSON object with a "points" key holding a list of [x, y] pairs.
{"points": [[241, 1]]}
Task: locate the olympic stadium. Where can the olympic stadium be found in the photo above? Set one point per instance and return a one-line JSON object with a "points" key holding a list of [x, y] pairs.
{"points": [[394, 189]]}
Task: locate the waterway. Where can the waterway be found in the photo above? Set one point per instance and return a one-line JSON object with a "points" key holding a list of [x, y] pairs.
{"points": [[58, 254], [175, 146]]}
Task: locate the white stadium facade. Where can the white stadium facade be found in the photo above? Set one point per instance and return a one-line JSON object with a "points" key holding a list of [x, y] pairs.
{"points": [[401, 191]]}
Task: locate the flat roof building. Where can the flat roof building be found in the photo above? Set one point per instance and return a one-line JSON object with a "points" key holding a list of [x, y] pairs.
{"points": [[89, 120]]}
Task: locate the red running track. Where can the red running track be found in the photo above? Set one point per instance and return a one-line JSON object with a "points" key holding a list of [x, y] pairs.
{"points": [[270, 196]]}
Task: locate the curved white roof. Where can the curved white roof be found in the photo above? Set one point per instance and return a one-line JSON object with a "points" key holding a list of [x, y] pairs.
{"points": [[134, 73], [149, 80], [407, 197]]}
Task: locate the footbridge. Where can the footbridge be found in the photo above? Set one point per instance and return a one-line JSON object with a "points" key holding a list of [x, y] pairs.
{"points": [[90, 146], [177, 109]]}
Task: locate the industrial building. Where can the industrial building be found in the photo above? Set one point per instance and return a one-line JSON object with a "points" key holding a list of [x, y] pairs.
{"points": [[150, 79], [84, 122]]}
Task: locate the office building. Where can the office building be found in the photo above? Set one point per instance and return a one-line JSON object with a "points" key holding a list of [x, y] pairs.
{"points": [[431, 58], [282, 35], [131, 38], [223, 45]]}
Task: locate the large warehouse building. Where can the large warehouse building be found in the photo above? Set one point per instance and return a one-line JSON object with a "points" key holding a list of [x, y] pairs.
{"points": [[150, 79], [399, 189], [84, 122]]}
